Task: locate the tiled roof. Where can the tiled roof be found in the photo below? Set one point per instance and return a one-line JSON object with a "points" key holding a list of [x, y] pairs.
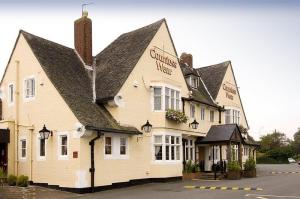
{"points": [[68, 75], [115, 62], [213, 77]]}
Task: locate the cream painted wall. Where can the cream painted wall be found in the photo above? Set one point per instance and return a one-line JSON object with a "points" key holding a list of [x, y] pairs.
{"points": [[236, 102], [48, 108]]}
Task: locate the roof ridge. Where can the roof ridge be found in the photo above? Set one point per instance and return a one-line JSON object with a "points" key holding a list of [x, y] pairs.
{"points": [[213, 65], [38, 37]]}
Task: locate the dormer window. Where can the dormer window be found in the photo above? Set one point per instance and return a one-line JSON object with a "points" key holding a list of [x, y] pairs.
{"points": [[194, 82]]}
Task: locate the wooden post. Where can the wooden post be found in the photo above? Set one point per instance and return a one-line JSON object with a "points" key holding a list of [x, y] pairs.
{"points": [[240, 154], [221, 159]]}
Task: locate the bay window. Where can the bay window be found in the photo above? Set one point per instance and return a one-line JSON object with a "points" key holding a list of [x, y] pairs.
{"points": [[158, 147], [232, 116], [157, 98]]}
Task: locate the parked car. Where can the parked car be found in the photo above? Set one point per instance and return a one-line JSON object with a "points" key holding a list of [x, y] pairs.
{"points": [[291, 160]]}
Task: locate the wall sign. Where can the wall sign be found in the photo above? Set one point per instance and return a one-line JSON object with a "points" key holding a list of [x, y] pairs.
{"points": [[230, 91], [163, 62]]}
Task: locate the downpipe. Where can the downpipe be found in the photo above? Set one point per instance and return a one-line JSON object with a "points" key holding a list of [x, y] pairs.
{"points": [[92, 169]]}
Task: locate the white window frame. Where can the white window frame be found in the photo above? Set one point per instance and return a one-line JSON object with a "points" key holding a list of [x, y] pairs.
{"points": [[232, 115], [212, 116], [30, 97], [194, 82], [59, 145], [21, 148], [217, 153], [116, 147], [121, 145], [177, 98], [202, 113], [177, 148], [192, 106], [11, 95], [161, 98], [38, 149], [108, 145], [189, 150]]}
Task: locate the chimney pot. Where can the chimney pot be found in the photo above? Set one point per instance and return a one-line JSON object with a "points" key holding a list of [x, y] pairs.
{"points": [[83, 38], [186, 58]]}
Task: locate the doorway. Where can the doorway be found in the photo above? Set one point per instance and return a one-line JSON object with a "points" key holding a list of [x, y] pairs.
{"points": [[3, 156]]}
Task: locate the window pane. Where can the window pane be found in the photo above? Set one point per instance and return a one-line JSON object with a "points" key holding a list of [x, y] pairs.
{"points": [[177, 152], [64, 150], [107, 150], [177, 140], [158, 139], [191, 153], [158, 152], [108, 140], [23, 153], [167, 139], [23, 142], [173, 152], [167, 152], [123, 150], [187, 153], [63, 140], [172, 140], [157, 98], [172, 99], [167, 98], [42, 147], [122, 141]]}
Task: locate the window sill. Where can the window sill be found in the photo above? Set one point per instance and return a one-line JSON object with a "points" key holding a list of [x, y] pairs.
{"points": [[119, 157], [63, 157]]}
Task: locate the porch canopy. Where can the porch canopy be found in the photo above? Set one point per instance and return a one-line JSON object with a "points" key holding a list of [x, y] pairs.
{"points": [[222, 134]]}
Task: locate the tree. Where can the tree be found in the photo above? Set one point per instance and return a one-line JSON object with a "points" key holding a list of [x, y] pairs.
{"points": [[272, 141], [297, 141]]}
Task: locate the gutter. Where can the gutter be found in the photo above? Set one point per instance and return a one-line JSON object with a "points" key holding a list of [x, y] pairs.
{"points": [[189, 99], [109, 130]]}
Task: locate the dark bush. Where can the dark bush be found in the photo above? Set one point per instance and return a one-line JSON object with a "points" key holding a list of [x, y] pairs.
{"points": [[12, 180], [250, 164], [22, 181]]}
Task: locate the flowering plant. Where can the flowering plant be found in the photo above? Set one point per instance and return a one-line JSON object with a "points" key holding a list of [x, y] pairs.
{"points": [[177, 116]]}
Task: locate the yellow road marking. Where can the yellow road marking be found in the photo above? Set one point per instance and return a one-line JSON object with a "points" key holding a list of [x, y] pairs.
{"points": [[259, 189], [213, 188], [223, 188], [235, 188], [247, 189], [189, 187], [202, 187]]}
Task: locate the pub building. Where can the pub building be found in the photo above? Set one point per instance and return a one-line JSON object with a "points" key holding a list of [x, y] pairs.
{"points": [[133, 113]]}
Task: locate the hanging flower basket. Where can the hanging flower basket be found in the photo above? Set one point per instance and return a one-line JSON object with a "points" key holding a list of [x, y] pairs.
{"points": [[176, 116]]}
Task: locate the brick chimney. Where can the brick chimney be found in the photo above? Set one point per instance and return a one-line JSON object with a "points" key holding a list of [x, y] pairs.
{"points": [[186, 58], [83, 38]]}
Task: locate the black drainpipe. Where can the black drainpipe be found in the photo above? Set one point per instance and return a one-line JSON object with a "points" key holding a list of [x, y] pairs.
{"points": [[92, 169]]}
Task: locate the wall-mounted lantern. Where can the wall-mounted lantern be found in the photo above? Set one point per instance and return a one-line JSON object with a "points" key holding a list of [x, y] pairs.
{"points": [[44, 133], [147, 127], [194, 124]]}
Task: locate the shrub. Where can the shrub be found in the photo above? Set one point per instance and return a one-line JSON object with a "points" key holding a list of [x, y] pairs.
{"points": [[12, 180], [22, 181], [2, 173], [249, 164], [191, 167], [268, 160], [176, 116], [233, 166]]}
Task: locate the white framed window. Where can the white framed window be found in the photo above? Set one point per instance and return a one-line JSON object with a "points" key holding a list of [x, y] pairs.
{"points": [[116, 147], [41, 148], [189, 150], [108, 146], [123, 145], [227, 116], [23, 148], [10, 94], [29, 88], [166, 148], [158, 146], [63, 145], [165, 97], [194, 82], [192, 110], [212, 116], [157, 98], [202, 113], [232, 116], [234, 152]]}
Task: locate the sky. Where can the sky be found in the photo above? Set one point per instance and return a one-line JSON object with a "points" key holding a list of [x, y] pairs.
{"points": [[260, 37]]}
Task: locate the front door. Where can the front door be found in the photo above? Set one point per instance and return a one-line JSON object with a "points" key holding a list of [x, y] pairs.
{"points": [[201, 157], [3, 156]]}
